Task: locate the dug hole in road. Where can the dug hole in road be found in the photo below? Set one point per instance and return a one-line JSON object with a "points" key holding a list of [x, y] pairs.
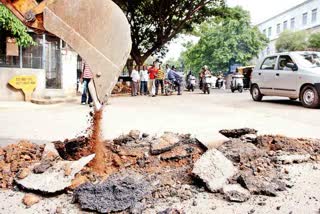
{"points": [[172, 173]]}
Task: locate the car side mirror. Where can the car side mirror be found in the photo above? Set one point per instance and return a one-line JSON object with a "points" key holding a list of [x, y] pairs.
{"points": [[293, 66]]}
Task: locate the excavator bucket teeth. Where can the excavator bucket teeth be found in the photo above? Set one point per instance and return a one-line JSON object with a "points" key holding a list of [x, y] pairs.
{"points": [[98, 31]]}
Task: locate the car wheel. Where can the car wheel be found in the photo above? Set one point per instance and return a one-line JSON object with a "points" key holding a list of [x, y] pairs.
{"points": [[256, 94], [310, 97]]}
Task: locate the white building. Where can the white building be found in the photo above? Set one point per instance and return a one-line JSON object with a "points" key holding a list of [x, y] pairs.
{"points": [[305, 16]]}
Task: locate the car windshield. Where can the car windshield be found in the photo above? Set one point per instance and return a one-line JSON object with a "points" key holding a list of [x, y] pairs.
{"points": [[309, 60]]}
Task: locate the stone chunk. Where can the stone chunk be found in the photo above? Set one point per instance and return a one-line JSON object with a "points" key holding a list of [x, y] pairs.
{"points": [[54, 178], [165, 143], [236, 193], [135, 134], [30, 199], [214, 169], [236, 133]]}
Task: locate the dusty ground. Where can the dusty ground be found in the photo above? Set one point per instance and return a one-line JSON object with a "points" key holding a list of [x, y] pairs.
{"points": [[191, 113]]}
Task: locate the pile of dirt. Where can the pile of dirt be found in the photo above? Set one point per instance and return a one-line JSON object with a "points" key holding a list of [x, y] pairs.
{"points": [[121, 88], [16, 159]]}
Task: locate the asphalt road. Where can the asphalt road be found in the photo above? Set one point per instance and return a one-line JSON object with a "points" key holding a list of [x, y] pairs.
{"points": [[193, 113]]}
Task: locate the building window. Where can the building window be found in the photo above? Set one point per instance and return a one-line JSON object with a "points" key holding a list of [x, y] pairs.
{"points": [[278, 28], [314, 15], [285, 25], [265, 32], [269, 31], [305, 19], [293, 23]]}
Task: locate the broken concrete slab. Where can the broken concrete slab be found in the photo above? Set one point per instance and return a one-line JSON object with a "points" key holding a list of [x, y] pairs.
{"points": [[236, 133], [54, 178], [289, 159], [135, 134], [50, 152], [235, 193], [118, 193], [214, 169], [212, 140], [165, 143]]}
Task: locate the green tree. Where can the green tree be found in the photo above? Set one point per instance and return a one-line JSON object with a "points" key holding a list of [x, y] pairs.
{"points": [[223, 41], [154, 23], [13, 25], [292, 41], [314, 41]]}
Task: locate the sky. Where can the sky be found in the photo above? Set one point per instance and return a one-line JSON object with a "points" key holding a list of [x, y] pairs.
{"points": [[260, 10]]}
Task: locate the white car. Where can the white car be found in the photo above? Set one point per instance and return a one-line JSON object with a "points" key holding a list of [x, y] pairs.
{"points": [[295, 75]]}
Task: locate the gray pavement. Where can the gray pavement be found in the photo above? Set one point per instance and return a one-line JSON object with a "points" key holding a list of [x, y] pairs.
{"points": [[193, 113]]}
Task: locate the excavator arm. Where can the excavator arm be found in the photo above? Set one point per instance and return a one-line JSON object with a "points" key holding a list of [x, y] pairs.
{"points": [[96, 29]]}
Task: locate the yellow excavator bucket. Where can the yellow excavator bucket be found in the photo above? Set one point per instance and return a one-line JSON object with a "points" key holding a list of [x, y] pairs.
{"points": [[98, 31]]}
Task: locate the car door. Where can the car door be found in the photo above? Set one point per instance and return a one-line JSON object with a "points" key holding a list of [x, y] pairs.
{"points": [[285, 79], [267, 71]]}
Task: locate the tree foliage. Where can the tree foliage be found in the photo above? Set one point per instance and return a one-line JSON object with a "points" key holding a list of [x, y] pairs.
{"points": [[13, 25], [223, 41], [314, 41], [155, 22], [292, 41]]}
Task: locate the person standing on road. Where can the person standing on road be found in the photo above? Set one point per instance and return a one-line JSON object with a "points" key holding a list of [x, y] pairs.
{"points": [[86, 77], [144, 78], [153, 72], [160, 81], [175, 78], [135, 81]]}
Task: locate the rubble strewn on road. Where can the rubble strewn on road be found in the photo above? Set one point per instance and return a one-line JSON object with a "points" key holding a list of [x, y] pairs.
{"points": [[140, 171], [214, 169], [30, 199]]}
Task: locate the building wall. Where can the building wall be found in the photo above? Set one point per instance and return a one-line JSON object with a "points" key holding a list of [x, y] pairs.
{"points": [[8, 93], [69, 72], [295, 13]]}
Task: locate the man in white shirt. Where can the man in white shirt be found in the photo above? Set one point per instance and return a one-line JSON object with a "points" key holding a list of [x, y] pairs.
{"points": [[135, 81], [144, 78]]}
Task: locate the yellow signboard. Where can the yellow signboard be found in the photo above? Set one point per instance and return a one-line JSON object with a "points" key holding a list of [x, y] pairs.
{"points": [[26, 83]]}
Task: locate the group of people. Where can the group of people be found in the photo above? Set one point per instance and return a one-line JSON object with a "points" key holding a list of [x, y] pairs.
{"points": [[148, 81], [145, 81]]}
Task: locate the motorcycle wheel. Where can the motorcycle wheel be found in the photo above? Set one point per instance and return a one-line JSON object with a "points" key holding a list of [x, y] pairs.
{"points": [[240, 89], [232, 90]]}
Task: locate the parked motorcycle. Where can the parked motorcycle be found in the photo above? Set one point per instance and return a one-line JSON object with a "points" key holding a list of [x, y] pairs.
{"points": [[191, 83], [237, 83], [206, 84]]}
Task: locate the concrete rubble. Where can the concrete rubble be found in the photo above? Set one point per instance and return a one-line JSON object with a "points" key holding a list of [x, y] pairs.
{"points": [[236, 193], [53, 179], [214, 169], [140, 171], [30, 199]]}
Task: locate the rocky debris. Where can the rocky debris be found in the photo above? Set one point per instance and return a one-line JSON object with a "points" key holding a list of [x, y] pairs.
{"points": [[237, 151], [121, 88], [212, 140], [73, 149], [165, 143], [53, 179], [119, 192], [30, 199], [50, 152], [249, 138], [135, 134], [290, 159], [214, 169], [43, 166], [237, 133], [17, 158], [171, 211], [23, 173], [235, 193]]}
